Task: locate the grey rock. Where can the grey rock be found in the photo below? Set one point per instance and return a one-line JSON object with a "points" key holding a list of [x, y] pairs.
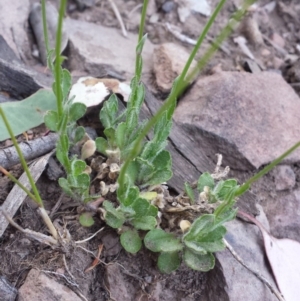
{"points": [[7, 291], [249, 118], [38, 286], [283, 213], [36, 22], [13, 23], [83, 4], [284, 177], [229, 280], [168, 6], [168, 62], [98, 49]]}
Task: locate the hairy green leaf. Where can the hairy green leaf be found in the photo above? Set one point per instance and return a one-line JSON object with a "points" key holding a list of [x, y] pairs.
{"points": [[190, 192], [121, 135], [168, 262], [144, 223], [202, 225], [101, 145], [79, 134], [109, 111], [198, 262], [131, 241], [77, 110], [51, 120], [205, 180], [64, 184], [77, 166], [66, 83], [113, 217], [158, 240], [86, 219]]}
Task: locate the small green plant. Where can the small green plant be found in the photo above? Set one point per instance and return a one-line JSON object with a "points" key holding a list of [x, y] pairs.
{"points": [[137, 201]]}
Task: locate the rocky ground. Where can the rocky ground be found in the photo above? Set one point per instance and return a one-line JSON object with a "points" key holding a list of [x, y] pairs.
{"points": [[244, 105]]}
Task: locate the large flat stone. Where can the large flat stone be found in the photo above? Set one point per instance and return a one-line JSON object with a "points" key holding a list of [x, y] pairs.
{"points": [[229, 280], [13, 24], [38, 287], [249, 118], [96, 49]]}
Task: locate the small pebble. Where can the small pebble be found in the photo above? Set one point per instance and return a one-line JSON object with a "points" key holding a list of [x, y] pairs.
{"points": [[8, 143], [278, 40], [284, 177], [265, 52], [168, 6]]}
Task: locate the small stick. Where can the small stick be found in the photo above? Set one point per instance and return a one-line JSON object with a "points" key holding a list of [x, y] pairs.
{"points": [[96, 261], [256, 273], [87, 239], [117, 14], [67, 268]]}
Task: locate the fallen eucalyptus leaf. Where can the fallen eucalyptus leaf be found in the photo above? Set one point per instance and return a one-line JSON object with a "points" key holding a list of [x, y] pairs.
{"points": [[283, 255], [28, 113]]}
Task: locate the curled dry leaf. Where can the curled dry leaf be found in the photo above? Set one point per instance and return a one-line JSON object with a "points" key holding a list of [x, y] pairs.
{"points": [[93, 91]]}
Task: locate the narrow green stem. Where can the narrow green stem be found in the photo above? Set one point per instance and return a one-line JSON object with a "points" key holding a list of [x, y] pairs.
{"points": [[141, 33], [200, 41], [37, 199], [45, 29], [143, 18], [57, 68], [16, 181], [237, 16], [265, 170]]}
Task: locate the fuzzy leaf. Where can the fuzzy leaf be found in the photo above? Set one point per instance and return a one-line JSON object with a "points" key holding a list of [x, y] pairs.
{"points": [[66, 83], [163, 161], [160, 177], [64, 184], [132, 195], [162, 129], [168, 262], [83, 181], [86, 220], [113, 217], [148, 195], [62, 148], [198, 262], [205, 180], [190, 192], [140, 207], [224, 188], [109, 111], [77, 166], [51, 121], [158, 240], [140, 95], [77, 110], [132, 120], [121, 135], [144, 223], [131, 241], [205, 247], [110, 135], [79, 134], [201, 226], [101, 145]]}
